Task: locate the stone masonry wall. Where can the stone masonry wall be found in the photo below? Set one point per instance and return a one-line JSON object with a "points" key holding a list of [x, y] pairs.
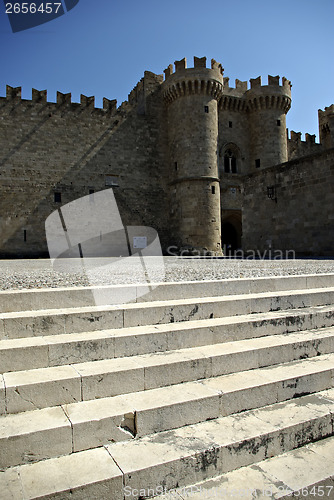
{"points": [[74, 149], [302, 220]]}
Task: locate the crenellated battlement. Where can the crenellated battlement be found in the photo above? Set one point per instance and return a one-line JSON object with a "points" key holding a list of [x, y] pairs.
{"points": [[13, 92], [270, 96], [14, 95], [329, 110], [297, 137], [196, 80], [258, 96], [297, 148], [199, 63]]}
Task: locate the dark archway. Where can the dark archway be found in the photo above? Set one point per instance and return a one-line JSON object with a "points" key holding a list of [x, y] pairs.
{"points": [[229, 238], [231, 230]]}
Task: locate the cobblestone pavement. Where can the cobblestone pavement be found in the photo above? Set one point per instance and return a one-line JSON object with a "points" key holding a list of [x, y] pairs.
{"points": [[39, 273]]}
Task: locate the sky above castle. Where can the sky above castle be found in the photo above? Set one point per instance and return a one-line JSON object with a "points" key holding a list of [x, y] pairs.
{"points": [[103, 47]]}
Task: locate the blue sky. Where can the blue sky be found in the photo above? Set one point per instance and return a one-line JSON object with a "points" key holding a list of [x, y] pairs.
{"points": [[103, 47]]}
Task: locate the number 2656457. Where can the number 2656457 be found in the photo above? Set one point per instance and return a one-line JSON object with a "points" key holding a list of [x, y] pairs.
{"points": [[33, 8]]}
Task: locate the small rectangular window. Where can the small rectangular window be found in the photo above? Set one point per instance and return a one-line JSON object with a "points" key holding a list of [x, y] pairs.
{"points": [[230, 124], [24, 235], [213, 189], [175, 164], [278, 123], [57, 197], [206, 109], [257, 163], [111, 180]]}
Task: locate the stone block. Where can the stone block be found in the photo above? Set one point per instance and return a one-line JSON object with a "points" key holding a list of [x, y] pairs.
{"points": [[23, 354], [10, 484], [85, 475], [302, 385], [141, 340], [299, 470], [103, 318], [174, 368], [110, 377], [41, 388], [33, 436], [81, 347], [99, 422], [18, 325], [172, 407]]}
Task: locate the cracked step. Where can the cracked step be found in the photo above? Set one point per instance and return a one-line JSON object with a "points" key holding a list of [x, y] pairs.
{"points": [[34, 299], [184, 456], [93, 423], [166, 408], [39, 388], [307, 471], [82, 319], [197, 452]]}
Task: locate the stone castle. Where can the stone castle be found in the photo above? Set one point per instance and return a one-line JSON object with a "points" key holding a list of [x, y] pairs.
{"points": [[211, 167]]}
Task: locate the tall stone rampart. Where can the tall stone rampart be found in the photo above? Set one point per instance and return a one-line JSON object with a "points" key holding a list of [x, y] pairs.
{"points": [[54, 153], [299, 215]]}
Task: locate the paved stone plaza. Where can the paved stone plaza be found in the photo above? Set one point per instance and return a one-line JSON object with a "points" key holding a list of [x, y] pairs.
{"points": [[39, 273]]}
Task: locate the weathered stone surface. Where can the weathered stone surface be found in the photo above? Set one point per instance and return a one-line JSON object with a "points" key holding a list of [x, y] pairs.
{"points": [[41, 388], [28, 437], [86, 475]]}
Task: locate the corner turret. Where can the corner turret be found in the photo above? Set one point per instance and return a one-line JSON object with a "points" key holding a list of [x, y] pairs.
{"points": [[267, 106]]}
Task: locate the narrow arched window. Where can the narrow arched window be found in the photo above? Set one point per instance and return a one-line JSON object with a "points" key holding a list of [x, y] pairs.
{"points": [[230, 162]]}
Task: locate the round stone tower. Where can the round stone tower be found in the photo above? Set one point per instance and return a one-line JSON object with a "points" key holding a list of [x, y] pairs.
{"points": [[267, 106], [191, 96]]}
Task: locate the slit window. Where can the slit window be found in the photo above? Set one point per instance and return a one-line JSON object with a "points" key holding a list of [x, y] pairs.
{"points": [[206, 109], [230, 124], [57, 197], [24, 235], [278, 123], [175, 164], [213, 189], [257, 163]]}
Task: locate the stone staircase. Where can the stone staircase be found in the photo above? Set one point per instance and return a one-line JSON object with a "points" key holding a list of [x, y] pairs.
{"points": [[196, 390]]}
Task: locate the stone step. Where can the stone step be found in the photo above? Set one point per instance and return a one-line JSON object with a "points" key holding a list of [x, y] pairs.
{"points": [[29, 436], [179, 457], [54, 298], [307, 472], [55, 350], [82, 319], [40, 388]]}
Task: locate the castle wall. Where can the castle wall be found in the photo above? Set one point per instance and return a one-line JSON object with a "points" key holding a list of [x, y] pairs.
{"points": [[72, 149], [163, 154], [298, 148], [302, 220]]}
